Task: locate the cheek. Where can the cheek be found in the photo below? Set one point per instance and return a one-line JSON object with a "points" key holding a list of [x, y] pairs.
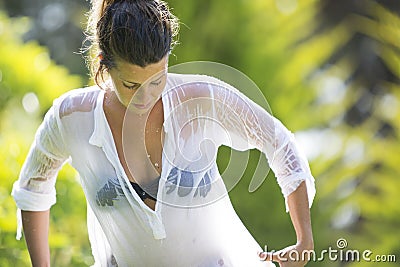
{"points": [[124, 95], [159, 89], [151, 91]]}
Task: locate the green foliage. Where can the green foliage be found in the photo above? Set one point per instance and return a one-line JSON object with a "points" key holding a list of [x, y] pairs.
{"points": [[27, 67], [358, 185]]}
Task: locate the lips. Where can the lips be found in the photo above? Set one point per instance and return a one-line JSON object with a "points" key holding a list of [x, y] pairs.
{"points": [[141, 106]]}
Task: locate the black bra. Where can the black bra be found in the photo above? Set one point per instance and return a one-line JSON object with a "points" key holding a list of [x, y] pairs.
{"points": [[142, 193]]}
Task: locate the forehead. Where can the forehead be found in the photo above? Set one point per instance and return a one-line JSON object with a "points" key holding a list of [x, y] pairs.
{"points": [[134, 73]]}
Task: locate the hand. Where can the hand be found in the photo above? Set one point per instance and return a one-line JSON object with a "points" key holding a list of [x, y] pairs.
{"points": [[292, 256]]}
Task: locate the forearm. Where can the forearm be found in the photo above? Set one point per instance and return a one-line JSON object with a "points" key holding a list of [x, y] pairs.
{"points": [[300, 216], [36, 231]]}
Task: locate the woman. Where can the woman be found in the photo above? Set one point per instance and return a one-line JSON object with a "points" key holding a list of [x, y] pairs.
{"points": [[154, 193]]}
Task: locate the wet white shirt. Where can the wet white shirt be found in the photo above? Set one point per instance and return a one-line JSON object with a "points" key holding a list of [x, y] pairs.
{"points": [[194, 223]]}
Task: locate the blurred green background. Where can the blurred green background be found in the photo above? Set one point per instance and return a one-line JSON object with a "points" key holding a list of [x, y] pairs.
{"points": [[330, 71]]}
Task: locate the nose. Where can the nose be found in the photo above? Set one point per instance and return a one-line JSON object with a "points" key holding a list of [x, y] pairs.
{"points": [[142, 96], [145, 95]]}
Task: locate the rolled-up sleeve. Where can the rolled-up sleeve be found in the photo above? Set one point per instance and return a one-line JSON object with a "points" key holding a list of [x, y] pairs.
{"points": [[253, 127], [35, 188], [289, 164]]}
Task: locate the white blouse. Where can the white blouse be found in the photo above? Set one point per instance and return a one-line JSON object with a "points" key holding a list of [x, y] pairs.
{"points": [[194, 223]]}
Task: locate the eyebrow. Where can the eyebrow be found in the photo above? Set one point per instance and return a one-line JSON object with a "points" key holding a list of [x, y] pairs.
{"points": [[135, 83]]}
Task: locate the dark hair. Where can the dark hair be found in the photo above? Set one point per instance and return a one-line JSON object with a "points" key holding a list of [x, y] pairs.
{"points": [[140, 32]]}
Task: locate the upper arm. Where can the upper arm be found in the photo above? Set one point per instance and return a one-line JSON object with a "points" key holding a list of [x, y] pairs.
{"points": [[245, 125]]}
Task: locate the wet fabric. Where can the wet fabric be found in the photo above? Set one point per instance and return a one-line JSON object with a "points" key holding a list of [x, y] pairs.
{"points": [[194, 223]]}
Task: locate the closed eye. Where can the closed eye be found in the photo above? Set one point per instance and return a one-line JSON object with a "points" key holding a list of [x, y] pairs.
{"points": [[132, 87], [156, 83]]}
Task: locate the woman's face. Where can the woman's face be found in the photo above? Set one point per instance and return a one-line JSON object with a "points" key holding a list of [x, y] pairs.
{"points": [[139, 88]]}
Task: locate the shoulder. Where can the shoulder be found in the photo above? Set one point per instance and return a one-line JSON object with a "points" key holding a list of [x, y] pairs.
{"points": [[189, 86], [199, 79], [77, 100]]}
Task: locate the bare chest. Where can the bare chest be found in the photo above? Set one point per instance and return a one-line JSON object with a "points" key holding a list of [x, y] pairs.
{"points": [[138, 141]]}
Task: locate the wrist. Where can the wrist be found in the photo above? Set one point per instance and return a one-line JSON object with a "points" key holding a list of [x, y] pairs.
{"points": [[305, 244]]}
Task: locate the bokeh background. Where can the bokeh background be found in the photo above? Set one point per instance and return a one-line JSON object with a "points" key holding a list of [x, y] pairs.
{"points": [[330, 71]]}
